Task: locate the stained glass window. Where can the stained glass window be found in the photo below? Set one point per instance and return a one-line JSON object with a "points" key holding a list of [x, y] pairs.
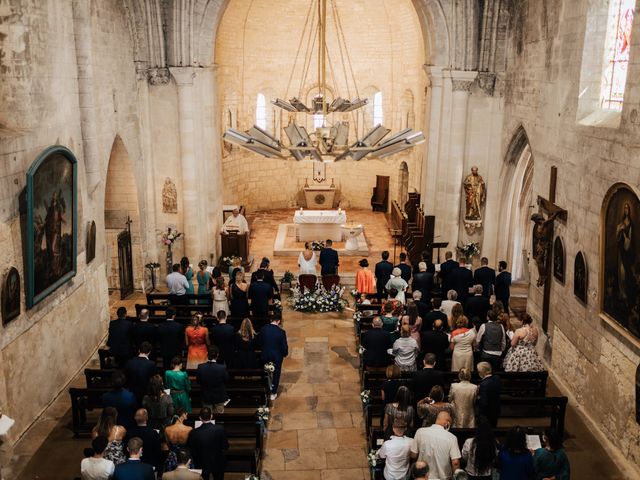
{"points": [[617, 46], [261, 112]]}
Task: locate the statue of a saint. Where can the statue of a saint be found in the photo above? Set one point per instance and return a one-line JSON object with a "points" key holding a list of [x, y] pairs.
{"points": [[475, 194], [542, 238], [169, 197]]}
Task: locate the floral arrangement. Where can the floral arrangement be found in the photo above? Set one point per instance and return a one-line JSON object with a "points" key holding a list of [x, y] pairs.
{"points": [[317, 245], [355, 294], [357, 316], [318, 300], [277, 305], [263, 413], [170, 236], [365, 396], [361, 350], [269, 367], [228, 261], [152, 265], [288, 277], [372, 459], [469, 250]]}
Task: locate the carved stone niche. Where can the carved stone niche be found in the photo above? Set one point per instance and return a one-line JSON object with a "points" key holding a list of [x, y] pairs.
{"points": [[169, 197]]}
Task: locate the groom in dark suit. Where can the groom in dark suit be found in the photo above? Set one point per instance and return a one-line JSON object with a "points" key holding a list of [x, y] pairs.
{"points": [[329, 259]]}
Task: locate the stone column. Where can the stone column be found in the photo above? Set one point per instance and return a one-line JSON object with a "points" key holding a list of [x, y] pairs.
{"points": [[434, 116], [184, 77]]}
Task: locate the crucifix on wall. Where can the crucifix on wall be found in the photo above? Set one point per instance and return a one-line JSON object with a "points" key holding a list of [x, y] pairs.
{"points": [[543, 238], [319, 171]]}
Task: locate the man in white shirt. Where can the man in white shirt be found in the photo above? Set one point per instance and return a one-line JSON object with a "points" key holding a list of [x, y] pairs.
{"points": [[397, 452], [177, 284], [236, 222], [438, 448], [96, 467]]}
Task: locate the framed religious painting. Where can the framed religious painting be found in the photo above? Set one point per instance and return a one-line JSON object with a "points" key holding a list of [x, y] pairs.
{"points": [[51, 226], [580, 277], [10, 296], [620, 257], [559, 260], [91, 241]]}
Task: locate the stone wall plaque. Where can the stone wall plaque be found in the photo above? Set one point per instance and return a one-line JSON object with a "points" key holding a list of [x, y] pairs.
{"points": [[169, 197], [580, 278], [91, 241], [559, 262], [10, 295]]}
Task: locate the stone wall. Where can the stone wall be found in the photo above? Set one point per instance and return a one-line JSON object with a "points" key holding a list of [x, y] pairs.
{"points": [[595, 363]]}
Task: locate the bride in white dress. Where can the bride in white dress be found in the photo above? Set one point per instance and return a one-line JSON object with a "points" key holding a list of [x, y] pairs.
{"points": [[307, 261]]}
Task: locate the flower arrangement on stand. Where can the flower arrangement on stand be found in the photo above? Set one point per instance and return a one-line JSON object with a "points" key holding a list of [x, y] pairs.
{"points": [[228, 261], [469, 250], [319, 300], [287, 280], [168, 238], [317, 245]]}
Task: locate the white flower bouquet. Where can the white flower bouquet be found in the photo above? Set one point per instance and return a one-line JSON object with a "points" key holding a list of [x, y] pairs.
{"points": [[469, 250], [269, 367], [365, 396], [372, 458], [263, 413]]}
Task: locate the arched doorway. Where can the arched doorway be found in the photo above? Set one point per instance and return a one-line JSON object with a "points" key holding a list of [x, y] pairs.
{"points": [[122, 223], [517, 198], [403, 183]]}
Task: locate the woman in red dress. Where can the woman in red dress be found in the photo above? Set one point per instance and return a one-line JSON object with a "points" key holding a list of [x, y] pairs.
{"points": [[365, 281], [197, 339]]}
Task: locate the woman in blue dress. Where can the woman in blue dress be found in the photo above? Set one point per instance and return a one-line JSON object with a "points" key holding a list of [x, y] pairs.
{"points": [[203, 278], [186, 270]]}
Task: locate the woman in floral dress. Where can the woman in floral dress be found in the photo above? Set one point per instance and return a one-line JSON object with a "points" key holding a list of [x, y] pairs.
{"points": [[522, 356]]}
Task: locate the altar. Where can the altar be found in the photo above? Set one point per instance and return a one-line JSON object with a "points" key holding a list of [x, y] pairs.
{"points": [[319, 224]]}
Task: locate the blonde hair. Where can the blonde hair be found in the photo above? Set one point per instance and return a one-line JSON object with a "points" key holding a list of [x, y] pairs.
{"points": [[462, 321], [196, 320], [464, 375], [405, 331], [246, 330]]}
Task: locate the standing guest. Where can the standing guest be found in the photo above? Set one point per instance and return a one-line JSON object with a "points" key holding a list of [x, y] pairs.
{"points": [[123, 400], [212, 378], [150, 439], [461, 280], [456, 313], [119, 339], [396, 452], [392, 383], [503, 285], [398, 283], [478, 305], [97, 467], [462, 396], [382, 272], [176, 435], [420, 471], [268, 274], [436, 341], [423, 308], [462, 345], [430, 406], [397, 306], [445, 269], [178, 286], [485, 276], [234, 268], [203, 278], [405, 268], [405, 349], [187, 271], [139, 371], [208, 443], [158, 404], [488, 403], [551, 461], [220, 296], [236, 222], [307, 260], [134, 468], [273, 342], [177, 381], [522, 356], [365, 282], [516, 462], [260, 294], [376, 342], [423, 282], [389, 319], [182, 471], [223, 336], [505, 321], [171, 336], [329, 261], [434, 314], [238, 293], [437, 447], [447, 305], [245, 345], [427, 378], [400, 409], [480, 452], [196, 338], [216, 273], [108, 427], [414, 321], [491, 341]]}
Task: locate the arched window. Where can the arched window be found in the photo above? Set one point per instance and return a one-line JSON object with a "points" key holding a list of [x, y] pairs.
{"points": [[616, 51], [261, 112], [378, 115]]}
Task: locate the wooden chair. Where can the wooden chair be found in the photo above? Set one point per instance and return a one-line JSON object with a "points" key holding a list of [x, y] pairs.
{"points": [[307, 281], [329, 281]]}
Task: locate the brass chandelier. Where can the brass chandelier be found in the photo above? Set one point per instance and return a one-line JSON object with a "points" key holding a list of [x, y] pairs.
{"points": [[330, 140]]}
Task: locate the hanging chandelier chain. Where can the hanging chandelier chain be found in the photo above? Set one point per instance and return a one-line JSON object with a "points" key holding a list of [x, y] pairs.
{"points": [[311, 43], [344, 67], [346, 49], [295, 61]]}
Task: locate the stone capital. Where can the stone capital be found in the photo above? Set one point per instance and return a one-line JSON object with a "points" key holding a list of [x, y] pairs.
{"points": [[183, 75], [461, 80], [434, 74]]}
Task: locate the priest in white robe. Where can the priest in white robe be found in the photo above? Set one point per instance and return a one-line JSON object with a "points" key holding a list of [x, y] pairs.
{"points": [[235, 223]]}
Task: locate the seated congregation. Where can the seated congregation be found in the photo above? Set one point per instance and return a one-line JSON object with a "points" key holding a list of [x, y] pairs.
{"points": [[454, 385]]}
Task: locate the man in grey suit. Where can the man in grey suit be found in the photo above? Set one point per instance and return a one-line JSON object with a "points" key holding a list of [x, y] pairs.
{"points": [[182, 472]]}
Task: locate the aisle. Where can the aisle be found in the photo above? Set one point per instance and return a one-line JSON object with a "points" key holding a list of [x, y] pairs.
{"points": [[316, 429]]}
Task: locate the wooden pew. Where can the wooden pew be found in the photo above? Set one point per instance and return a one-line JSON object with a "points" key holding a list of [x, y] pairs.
{"points": [[158, 298]]}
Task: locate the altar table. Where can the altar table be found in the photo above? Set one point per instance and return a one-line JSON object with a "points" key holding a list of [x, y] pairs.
{"points": [[319, 225]]}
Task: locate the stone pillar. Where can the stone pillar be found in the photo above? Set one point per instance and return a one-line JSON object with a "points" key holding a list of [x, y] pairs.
{"points": [[184, 77], [434, 116]]}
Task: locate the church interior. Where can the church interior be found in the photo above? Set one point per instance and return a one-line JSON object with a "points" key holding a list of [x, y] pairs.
{"points": [[136, 133]]}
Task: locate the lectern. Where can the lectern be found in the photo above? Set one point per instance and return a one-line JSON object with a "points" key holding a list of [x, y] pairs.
{"points": [[236, 244]]}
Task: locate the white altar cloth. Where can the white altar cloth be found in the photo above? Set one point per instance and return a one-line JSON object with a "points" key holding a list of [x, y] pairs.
{"points": [[319, 224]]}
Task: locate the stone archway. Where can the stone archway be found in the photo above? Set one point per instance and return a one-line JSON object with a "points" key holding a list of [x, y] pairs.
{"points": [[403, 183], [120, 204]]}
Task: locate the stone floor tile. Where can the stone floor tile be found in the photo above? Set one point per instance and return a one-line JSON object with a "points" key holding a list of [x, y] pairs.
{"points": [[282, 439], [343, 474], [299, 420], [311, 459], [347, 457], [351, 437], [325, 439], [273, 459]]}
